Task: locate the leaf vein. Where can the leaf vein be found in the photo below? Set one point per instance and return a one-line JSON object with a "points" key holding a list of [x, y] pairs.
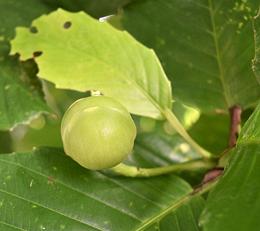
{"points": [[47, 208], [74, 189], [12, 226]]}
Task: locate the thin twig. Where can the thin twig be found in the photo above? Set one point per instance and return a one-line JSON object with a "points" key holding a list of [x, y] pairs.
{"points": [[235, 117], [212, 174]]}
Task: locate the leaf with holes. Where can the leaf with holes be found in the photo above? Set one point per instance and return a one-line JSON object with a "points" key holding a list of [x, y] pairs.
{"points": [[237, 195], [206, 47], [57, 194], [80, 53]]}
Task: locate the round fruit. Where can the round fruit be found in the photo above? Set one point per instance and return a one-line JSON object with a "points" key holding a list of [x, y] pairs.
{"points": [[97, 132]]}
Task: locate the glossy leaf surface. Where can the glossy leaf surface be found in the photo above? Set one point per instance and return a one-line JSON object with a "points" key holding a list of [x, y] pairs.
{"points": [[57, 194], [206, 48]]}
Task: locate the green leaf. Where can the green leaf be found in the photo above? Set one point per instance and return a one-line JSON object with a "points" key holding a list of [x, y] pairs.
{"points": [[81, 53], [96, 8], [57, 194], [155, 149], [186, 115], [206, 48], [15, 13], [185, 218], [256, 62], [20, 94], [234, 203], [251, 130], [20, 102], [212, 131]]}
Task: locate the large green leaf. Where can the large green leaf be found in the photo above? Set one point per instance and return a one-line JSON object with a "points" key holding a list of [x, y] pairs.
{"points": [[57, 194], [20, 97], [256, 63], [205, 46], [96, 8], [234, 204], [81, 53]]}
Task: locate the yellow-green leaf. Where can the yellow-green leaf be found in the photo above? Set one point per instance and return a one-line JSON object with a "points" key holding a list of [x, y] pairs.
{"points": [[80, 53]]}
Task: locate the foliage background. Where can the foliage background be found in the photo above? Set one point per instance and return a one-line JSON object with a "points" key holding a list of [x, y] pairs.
{"points": [[206, 50]]}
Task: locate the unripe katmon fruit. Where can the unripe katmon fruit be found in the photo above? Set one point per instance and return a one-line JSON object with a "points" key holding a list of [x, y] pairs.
{"points": [[97, 132]]}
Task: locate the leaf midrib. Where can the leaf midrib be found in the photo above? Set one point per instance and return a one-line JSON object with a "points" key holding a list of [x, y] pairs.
{"points": [[217, 50], [164, 212], [12, 226]]}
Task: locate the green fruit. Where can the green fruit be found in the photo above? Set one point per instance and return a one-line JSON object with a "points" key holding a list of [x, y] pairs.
{"points": [[97, 132]]}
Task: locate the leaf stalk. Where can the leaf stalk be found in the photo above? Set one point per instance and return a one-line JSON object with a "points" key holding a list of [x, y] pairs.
{"points": [[133, 171], [175, 123]]}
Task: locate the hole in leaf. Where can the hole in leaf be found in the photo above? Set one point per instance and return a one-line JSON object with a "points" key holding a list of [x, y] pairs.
{"points": [[33, 30], [37, 54], [67, 25]]}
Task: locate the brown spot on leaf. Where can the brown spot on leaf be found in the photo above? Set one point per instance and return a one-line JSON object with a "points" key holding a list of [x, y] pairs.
{"points": [[67, 25]]}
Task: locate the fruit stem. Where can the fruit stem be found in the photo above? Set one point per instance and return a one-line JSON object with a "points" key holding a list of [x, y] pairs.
{"points": [[132, 171], [175, 123]]}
